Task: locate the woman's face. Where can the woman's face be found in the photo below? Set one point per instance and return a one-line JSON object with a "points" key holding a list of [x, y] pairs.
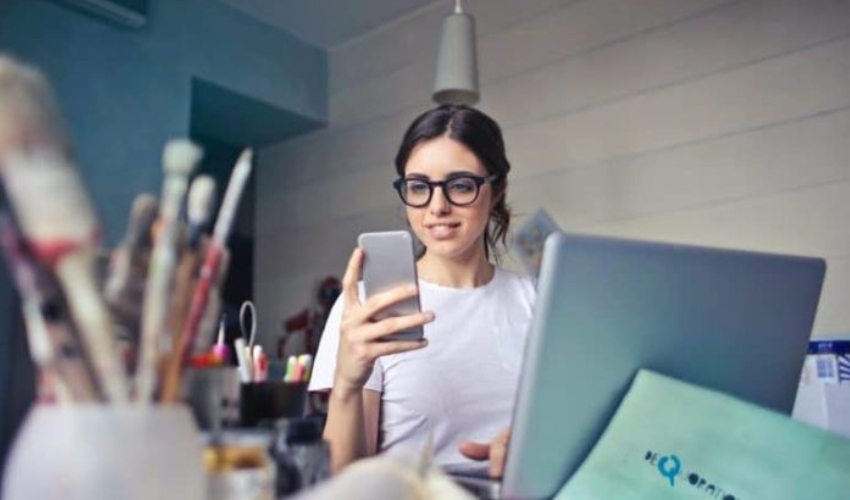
{"points": [[447, 230]]}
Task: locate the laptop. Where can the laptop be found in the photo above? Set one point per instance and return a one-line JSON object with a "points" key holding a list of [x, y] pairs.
{"points": [[734, 321]]}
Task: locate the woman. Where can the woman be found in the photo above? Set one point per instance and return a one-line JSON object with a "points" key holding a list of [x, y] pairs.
{"points": [[459, 383]]}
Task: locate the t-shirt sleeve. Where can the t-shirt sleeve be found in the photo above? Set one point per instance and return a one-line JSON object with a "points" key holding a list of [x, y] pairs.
{"points": [[324, 365]]}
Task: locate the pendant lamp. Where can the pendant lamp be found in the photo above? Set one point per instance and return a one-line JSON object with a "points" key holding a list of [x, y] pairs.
{"points": [[457, 65]]}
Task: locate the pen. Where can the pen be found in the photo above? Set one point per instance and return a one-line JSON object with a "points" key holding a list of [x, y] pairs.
{"points": [[220, 349], [261, 364], [291, 364], [245, 375]]}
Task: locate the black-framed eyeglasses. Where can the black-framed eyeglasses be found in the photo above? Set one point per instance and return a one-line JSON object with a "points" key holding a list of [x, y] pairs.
{"points": [[460, 190]]}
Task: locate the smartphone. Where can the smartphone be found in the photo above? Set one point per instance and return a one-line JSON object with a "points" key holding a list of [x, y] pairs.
{"points": [[388, 263]]}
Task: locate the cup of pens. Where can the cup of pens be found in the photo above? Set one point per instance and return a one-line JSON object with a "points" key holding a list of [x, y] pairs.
{"points": [[263, 403], [276, 394]]}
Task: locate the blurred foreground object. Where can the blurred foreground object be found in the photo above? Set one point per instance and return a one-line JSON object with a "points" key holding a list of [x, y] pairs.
{"points": [[54, 212]]}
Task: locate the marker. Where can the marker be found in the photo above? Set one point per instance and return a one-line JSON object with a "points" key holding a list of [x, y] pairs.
{"points": [[291, 362], [305, 361], [220, 349], [261, 364], [298, 372], [242, 360]]}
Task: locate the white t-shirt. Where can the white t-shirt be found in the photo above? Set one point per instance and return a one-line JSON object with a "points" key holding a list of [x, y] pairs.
{"points": [[463, 383]]}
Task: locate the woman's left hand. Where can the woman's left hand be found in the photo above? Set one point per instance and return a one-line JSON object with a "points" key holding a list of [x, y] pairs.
{"points": [[496, 451]]}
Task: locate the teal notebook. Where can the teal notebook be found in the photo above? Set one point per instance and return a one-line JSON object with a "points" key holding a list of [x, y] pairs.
{"points": [[672, 440]]}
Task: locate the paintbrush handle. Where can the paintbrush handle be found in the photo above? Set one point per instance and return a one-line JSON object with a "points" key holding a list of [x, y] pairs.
{"points": [[53, 347], [205, 333], [62, 360], [232, 196], [154, 314], [183, 280], [179, 358], [75, 272]]}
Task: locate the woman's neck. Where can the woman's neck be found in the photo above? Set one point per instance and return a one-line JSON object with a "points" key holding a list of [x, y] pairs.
{"points": [[469, 272]]}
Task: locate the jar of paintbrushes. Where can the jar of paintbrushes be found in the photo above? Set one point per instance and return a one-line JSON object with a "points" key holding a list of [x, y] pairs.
{"points": [[108, 426]]}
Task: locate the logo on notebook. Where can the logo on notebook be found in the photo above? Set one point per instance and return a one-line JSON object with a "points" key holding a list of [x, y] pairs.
{"points": [[670, 468], [673, 470]]}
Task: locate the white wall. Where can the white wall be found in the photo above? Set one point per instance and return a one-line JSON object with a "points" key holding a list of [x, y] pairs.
{"points": [[722, 123]]}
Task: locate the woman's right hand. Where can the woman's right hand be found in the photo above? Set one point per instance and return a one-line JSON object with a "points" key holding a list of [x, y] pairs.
{"points": [[360, 342]]}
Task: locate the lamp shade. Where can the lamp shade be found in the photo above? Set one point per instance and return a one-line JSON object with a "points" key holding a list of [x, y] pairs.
{"points": [[457, 64]]}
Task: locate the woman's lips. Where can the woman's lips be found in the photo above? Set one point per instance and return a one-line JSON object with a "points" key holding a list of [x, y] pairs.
{"points": [[443, 231]]}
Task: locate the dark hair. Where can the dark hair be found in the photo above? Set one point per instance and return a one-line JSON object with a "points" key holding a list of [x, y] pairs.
{"points": [[482, 135]]}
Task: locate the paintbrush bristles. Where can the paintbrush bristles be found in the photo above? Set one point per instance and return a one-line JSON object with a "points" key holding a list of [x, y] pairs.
{"points": [[180, 157], [28, 113], [201, 198], [49, 198]]}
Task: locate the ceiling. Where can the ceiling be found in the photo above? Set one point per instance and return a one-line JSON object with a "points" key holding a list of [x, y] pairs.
{"points": [[327, 23]]}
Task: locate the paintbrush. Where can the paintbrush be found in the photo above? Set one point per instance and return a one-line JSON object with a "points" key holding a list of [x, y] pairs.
{"points": [[30, 115], [199, 209], [125, 285], [209, 270], [54, 212], [53, 346], [179, 159]]}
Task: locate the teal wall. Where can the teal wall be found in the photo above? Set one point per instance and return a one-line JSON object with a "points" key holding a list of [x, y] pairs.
{"points": [[124, 92]]}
